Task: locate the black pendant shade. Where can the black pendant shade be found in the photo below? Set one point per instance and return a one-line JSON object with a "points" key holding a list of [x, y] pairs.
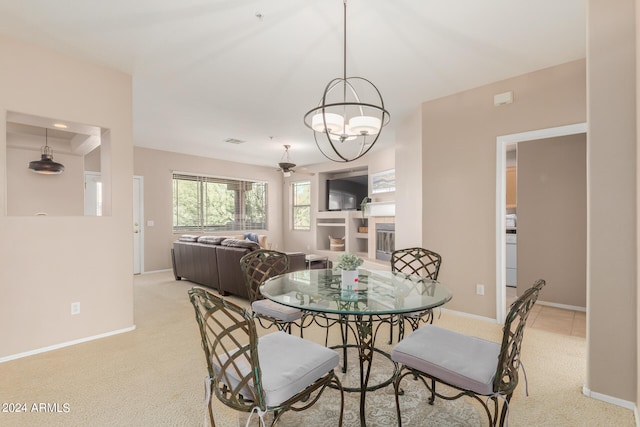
{"points": [[46, 165]]}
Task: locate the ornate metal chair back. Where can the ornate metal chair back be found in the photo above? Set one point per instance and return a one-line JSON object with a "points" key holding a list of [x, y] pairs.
{"points": [[506, 378], [260, 265], [230, 341], [416, 261]]}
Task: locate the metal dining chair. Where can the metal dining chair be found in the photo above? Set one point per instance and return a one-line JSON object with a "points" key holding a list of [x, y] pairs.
{"points": [[420, 262], [484, 370], [275, 373], [258, 266]]}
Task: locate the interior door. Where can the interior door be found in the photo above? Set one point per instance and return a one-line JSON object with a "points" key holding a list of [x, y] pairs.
{"points": [[137, 225], [92, 194]]}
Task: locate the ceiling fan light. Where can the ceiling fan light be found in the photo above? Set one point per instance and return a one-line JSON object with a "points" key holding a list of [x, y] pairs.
{"points": [[334, 122], [364, 125], [285, 165]]}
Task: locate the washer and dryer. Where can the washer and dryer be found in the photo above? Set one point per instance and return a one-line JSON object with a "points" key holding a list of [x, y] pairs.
{"points": [[512, 256]]}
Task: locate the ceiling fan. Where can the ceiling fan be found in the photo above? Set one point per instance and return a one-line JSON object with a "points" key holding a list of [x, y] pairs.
{"points": [[286, 167]]}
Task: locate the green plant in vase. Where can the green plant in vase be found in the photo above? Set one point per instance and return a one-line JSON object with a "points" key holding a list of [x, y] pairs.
{"points": [[363, 212], [348, 264]]}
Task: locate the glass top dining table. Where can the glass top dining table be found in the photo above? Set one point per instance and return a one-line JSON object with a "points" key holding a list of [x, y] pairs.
{"points": [[378, 292], [377, 297]]}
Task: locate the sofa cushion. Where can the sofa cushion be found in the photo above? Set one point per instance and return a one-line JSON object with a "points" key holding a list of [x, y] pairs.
{"points": [[252, 237], [236, 243], [188, 238], [211, 240]]}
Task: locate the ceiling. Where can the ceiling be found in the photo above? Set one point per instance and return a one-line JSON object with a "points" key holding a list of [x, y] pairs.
{"points": [[205, 71]]}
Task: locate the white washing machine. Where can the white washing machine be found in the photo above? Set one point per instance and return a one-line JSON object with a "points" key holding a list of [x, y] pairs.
{"points": [[512, 257]]}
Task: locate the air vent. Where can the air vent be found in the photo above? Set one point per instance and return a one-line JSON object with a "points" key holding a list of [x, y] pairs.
{"points": [[234, 141]]}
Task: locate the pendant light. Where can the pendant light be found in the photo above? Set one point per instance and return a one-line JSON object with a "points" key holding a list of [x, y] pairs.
{"points": [[350, 116], [46, 165], [286, 167]]}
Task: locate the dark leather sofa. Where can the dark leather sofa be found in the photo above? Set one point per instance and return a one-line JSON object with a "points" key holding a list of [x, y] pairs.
{"points": [[214, 261]]}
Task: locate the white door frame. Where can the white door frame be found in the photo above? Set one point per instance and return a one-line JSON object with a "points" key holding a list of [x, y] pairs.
{"points": [[501, 200], [138, 229]]}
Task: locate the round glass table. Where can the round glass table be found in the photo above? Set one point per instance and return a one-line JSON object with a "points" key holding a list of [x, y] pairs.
{"points": [[377, 296]]}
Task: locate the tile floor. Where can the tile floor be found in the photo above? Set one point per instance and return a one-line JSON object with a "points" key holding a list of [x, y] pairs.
{"points": [[552, 319]]}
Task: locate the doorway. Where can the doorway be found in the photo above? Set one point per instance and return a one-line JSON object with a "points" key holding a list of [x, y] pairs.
{"points": [[138, 229], [501, 205]]}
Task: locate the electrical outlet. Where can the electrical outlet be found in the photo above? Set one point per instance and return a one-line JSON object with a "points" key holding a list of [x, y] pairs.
{"points": [[480, 289], [75, 308]]}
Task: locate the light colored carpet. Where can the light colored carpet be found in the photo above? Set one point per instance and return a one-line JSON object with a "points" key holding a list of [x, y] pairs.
{"points": [[154, 375]]}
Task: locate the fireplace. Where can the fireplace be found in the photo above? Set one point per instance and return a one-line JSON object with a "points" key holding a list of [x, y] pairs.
{"points": [[385, 240]]}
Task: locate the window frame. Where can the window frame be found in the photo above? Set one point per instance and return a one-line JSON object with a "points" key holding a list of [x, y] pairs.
{"points": [[296, 206], [239, 220]]}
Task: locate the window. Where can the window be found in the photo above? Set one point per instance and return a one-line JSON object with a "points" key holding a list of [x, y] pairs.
{"points": [[301, 197], [203, 203]]}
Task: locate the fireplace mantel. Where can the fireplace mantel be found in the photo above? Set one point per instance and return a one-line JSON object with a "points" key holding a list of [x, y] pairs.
{"points": [[375, 209]]}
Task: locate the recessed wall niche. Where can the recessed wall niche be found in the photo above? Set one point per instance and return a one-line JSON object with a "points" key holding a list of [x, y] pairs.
{"points": [[83, 189]]}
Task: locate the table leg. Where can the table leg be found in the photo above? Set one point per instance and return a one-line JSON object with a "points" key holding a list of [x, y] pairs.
{"points": [[344, 331], [365, 338]]}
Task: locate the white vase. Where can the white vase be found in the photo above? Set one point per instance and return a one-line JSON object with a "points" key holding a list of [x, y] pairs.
{"points": [[349, 279]]}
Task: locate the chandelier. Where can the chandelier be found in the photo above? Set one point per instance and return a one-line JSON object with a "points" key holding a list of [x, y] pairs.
{"points": [[46, 165], [348, 120]]}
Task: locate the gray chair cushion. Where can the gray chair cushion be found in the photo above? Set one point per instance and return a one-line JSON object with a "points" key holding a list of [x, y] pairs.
{"points": [[289, 364], [460, 360], [272, 309]]}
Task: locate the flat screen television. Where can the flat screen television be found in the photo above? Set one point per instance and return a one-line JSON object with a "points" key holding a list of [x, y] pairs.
{"points": [[346, 193]]}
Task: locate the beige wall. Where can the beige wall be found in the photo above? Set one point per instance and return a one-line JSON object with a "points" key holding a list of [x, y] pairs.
{"points": [[552, 218], [612, 197], [49, 262], [637, 120], [157, 167], [408, 194], [459, 170]]}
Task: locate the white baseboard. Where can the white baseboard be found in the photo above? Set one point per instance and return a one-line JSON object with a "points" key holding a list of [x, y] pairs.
{"points": [[65, 344], [155, 271], [610, 399], [473, 316], [563, 306], [635, 415]]}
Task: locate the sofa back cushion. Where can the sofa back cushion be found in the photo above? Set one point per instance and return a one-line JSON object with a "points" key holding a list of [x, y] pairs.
{"points": [[237, 243], [211, 240]]}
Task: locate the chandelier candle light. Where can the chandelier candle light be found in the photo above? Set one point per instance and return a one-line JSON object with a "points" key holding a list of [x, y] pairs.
{"points": [[348, 120]]}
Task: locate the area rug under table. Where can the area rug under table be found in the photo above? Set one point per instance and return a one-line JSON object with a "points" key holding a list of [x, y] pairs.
{"points": [[380, 406]]}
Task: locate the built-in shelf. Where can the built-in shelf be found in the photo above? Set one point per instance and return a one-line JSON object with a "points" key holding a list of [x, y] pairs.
{"points": [[338, 224], [381, 209]]}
